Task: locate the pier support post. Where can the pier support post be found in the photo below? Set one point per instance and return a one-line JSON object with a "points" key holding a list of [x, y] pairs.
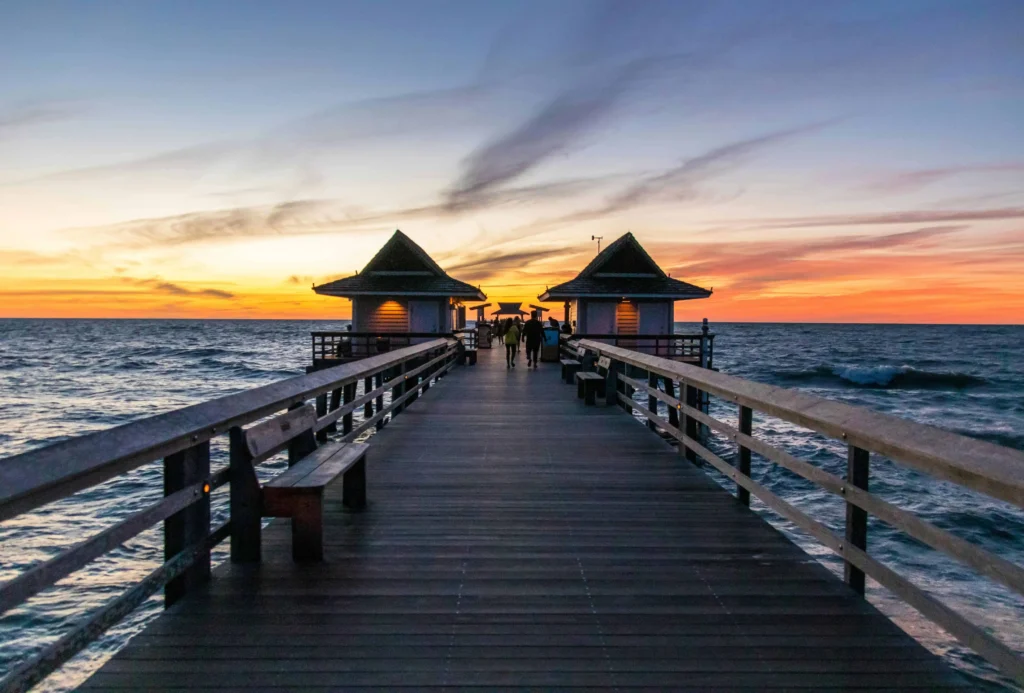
{"points": [[349, 395], [857, 469], [746, 425], [190, 525], [246, 509]]}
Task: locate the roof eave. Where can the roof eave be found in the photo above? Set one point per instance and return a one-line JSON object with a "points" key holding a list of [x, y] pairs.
{"points": [[552, 296]]}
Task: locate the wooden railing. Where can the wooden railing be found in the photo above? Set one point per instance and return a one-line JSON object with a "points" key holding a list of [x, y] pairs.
{"points": [[697, 349], [989, 469], [182, 439], [330, 346]]}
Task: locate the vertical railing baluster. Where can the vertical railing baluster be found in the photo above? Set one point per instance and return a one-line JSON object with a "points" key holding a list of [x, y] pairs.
{"points": [[191, 524], [367, 389], [746, 425], [857, 470]]}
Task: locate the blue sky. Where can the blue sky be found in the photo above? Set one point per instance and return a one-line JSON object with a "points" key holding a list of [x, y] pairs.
{"points": [[143, 138]]}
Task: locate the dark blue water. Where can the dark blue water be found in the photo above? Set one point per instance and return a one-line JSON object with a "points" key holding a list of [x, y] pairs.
{"points": [[61, 378]]}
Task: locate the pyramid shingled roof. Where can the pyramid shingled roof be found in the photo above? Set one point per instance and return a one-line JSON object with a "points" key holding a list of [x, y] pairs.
{"points": [[624, 270], [400, 268]]}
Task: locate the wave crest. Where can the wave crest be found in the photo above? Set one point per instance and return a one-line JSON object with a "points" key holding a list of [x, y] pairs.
{"points": [[885, 376]]}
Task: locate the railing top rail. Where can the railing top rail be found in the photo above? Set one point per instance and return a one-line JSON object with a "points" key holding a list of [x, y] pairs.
{"points": [[991, 469], [39, 476], [346, 333]]}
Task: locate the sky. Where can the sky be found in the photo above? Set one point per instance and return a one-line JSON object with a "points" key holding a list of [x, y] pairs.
{"points": [[809, 161]]}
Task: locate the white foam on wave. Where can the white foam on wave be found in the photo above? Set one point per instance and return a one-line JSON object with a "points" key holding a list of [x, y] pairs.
{"points": [[871, 375]]}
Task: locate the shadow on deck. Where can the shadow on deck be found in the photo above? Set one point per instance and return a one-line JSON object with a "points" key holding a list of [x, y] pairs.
{"points": [[514, 538]]}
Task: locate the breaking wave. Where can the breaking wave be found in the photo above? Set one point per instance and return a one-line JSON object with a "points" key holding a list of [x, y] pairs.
{"points": [[894, 377]]}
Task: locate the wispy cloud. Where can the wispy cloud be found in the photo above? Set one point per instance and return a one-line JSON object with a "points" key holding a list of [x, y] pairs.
{"points": [[888, 218], [910, 181], [172, 289], [33, 114]]}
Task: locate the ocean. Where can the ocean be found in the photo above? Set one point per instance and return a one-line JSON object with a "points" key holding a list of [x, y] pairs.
{"points": [[63, 378]]}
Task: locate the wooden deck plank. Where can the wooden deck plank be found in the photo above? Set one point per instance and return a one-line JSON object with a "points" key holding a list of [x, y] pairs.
{"points": [[516, 538]]}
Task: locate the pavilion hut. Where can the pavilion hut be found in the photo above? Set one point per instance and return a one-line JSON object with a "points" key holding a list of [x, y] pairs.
{"points": [[623, 297], [509, 310], [400, 297]]}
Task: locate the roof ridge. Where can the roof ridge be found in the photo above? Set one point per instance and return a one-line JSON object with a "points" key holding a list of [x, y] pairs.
{"points": [[399, 237]]}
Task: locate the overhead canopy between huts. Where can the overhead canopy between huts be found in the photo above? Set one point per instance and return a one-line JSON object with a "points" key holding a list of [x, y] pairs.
{"points": [[401, 268], [624, 270], [509, 309]]}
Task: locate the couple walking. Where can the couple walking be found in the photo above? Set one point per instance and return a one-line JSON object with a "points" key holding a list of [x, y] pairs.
{"points": [[532, 332]]}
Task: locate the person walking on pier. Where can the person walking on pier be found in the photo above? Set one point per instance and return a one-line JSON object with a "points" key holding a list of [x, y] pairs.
{"points": [[533, 334], [511, 343]]}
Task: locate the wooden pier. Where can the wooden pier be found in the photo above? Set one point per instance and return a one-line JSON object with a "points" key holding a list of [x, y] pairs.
{"points": [[514, 537]]}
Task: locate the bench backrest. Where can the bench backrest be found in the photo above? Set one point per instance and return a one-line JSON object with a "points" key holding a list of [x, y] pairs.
{"points": [[270, 437]]}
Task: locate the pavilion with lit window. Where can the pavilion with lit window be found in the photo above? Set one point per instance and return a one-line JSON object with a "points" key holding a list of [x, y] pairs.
{"points": [[624, 297], [401, 297]]}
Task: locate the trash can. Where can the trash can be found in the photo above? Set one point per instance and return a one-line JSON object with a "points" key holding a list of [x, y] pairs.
{"points": [[549, 348]]}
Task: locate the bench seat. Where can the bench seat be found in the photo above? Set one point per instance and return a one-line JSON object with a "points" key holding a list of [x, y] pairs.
{"points": [[569, 368], [298, 493], [588, 385]]}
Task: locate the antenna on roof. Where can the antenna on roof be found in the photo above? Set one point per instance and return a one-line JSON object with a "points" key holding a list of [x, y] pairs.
{"points": [[598, 239]]}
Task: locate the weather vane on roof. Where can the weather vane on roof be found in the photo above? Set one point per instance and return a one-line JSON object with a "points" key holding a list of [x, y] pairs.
{"points": [[598, 239]]}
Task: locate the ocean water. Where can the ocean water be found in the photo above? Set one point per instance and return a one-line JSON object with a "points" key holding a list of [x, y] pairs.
{"points": [[61, 378]]}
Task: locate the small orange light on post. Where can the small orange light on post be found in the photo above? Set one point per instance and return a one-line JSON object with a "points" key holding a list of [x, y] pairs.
{"points": [[206, 488]]}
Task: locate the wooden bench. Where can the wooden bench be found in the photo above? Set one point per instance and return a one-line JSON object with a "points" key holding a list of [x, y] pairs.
{"points": [[298, 493], [571, 366], [589, 384]]}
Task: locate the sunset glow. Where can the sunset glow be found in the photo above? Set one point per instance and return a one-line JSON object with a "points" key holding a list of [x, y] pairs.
{"points": [[811, 163]]}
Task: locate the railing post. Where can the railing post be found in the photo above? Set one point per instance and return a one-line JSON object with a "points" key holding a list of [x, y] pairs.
{"points": [[335, 403], [689, 398], [192, 524], [399, 389], [627, 390], [652, 401], [673, 413], [611, 384], [367, 389], [746, 421], [348, 396], [321, 410], [857, 469], [245, 501], [378, 382]]}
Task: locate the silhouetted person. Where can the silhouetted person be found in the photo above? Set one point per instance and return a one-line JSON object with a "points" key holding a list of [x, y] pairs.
{"points": [[533, 334], [511, 343]]}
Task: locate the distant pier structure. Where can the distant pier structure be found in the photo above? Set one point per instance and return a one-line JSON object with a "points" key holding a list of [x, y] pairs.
{"points": [[400, 298], [625, 299]]}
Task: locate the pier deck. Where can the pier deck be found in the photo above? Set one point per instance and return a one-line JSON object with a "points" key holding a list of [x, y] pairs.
{"points": [[515, 538]]}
